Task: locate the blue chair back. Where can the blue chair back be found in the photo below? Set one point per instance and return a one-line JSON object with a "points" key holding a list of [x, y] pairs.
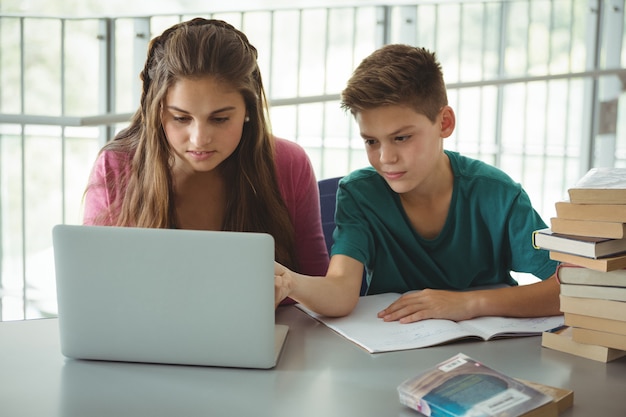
{"points": [[328, 202]]}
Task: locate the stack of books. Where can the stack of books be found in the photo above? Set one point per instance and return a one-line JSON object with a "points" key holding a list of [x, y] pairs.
{"points": [[588, 237]]}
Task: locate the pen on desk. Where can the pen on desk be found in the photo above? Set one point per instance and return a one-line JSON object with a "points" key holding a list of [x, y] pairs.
{"points": [[558, 328]]}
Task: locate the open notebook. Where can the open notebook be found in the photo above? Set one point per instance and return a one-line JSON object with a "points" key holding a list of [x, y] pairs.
{"points": [[167, 296]]}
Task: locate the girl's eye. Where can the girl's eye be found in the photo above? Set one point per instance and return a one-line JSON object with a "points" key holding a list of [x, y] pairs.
{"points": [[370, 142], [181, 119], [401, 138], [220, 119]]}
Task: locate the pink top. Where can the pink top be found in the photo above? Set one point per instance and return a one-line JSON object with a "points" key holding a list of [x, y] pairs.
{"points": [[298, 187]]}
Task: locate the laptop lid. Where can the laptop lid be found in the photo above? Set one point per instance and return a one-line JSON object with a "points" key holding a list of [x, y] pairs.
{"points": [[166, 296]]}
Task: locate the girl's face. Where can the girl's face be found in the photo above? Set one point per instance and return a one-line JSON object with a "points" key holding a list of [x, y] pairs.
{"points": [[203, 120]]}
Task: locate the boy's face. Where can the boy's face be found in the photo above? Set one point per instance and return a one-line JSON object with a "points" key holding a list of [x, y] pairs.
{"points": [[404, 146]]}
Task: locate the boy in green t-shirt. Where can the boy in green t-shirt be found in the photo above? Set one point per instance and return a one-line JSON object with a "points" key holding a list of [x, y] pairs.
{"points": [[424, 218]]}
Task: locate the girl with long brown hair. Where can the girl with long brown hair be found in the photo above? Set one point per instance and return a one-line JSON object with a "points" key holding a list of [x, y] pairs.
{"points": [[199, 154]]}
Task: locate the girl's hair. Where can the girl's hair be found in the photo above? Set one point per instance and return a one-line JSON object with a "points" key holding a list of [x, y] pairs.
{"points": [[192, 49], [397, 75]]}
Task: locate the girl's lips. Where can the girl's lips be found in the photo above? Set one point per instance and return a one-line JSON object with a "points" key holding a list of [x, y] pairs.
{"points": [[200, 155]]}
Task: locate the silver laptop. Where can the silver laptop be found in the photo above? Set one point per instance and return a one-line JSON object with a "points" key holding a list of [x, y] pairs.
{"points": [[167, 296]]}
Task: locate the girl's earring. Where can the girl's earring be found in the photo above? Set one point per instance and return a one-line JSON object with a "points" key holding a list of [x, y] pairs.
{"points": [[247, 119]]}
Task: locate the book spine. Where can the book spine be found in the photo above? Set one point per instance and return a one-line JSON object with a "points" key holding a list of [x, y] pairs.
{"points": [[597, 212], [598, 264], [607, 309], [593, 291], [566, 344], [610, 340], [588, 228], [595, 323]]}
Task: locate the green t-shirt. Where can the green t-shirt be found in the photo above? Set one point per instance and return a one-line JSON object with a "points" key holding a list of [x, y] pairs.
{"points": [[487, 234]]}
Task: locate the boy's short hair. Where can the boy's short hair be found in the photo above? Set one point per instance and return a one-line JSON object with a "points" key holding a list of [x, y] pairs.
{"points": [[397, 75]]}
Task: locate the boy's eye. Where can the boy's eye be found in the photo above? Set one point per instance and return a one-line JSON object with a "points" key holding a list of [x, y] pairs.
{"points": [[401, 138]]}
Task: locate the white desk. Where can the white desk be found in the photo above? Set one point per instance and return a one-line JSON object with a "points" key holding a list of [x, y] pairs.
{"points": [[319, 374]]}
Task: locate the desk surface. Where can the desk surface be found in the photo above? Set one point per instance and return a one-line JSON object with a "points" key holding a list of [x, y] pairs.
{"points": [[319, 374]]}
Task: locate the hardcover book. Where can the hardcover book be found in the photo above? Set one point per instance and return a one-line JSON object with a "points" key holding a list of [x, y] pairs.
{"points": [[610, 263], [462, 386], [608, 309], [561, 340], [594, 291], [596, 323], [591, 247], [600, 186], [597, 212], [576, 274], [592, 228], [611, 340]]}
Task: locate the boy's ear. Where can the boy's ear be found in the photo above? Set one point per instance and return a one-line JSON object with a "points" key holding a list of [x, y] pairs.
{"points": [[448, 121]]}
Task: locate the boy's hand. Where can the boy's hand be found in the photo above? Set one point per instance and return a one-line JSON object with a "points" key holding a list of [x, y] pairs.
{"points": [[282, 283], [430, 304]]}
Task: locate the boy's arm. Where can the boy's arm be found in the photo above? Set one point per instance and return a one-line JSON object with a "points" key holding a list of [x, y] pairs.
{"points": [[532, 300], [334, 295]]}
